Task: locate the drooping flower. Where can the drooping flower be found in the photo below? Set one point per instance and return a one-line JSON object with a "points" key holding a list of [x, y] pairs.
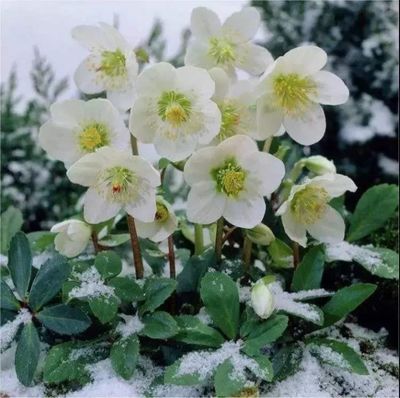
{"points": [[163, 225], [116, 180], [72, 237], [307, 209], [319, 165], [174, 111], [262, 299], [229, 181], [77, 127], [226, 45], [111, 65], [291, 91]]}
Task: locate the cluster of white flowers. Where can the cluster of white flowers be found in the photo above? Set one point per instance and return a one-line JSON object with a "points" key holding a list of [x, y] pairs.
{"points": [[201, 114]]}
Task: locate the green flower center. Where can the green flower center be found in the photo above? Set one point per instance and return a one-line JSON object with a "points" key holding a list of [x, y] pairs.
{"points": [[113, 63], [93, 136], [230, 178], [292, 91], [120, 184], [222, 50], [230, 118], [309, 204], [174, 108], [162, 213]]}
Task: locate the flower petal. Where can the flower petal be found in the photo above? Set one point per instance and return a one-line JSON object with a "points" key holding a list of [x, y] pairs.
{"points": [[253, 59], [222, 83], [331, 89], [175, 149], [85, 170], [204, 23], [246, 212], [330, 228], [147, 229], [197, 55], [308, 128], [197, 168], [211, 118], [294, 230], [145, 170], [143, 122], [91, 37], [335, 184], [238, 146], [305, 60], [204, 204], [122, 100], [156, 79], [68, 112], [241, 26], [68, 247], [197, 82], [96, 209], [269, 118], [86, 79], [144, 210]]}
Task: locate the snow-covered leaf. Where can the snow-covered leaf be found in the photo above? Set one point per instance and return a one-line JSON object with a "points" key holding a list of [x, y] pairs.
{"points": [[124, 355], [104, 308], [226, 382], [108, 264], [114, 240]]}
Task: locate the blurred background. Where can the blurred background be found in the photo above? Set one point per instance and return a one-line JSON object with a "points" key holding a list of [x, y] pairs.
{"points": [[38, 59]]}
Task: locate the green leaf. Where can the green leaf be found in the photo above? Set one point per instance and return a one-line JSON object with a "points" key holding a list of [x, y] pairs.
{"points": [[108, 264], [374, 208], [226, 383], [286, 361], [156, 291], [114, 240], [126, 289], [124, 356], [41, 240], [386, 267], [64, 319], [281, 254], [345, 301], [249, 320], [308, 274], [163, 163], [265, 333], [159, 325], [193, 331], [8, 300], [265, 365], [104, 308], [173, 376], [221, 298], [20, 262], [48, 281], [10, 223], [337, 354], [27, 354]]}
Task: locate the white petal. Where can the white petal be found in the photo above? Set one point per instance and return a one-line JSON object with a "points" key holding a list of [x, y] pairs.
{"points": [[265, 171], [78, 230], [241, 26], [87, 80], [195, 81], [294, 230], [122, 100], [91, 37], [330, 228], [197, 55], [335, 184], [239, 146], [253, 59], [211, 118], [68, 247], [143, 122], [61, 226], [145, 210], [204, 23], [147, 229], [305, 60], [85, 170], [68, 113], [198, 167], [166, 229], [269, 118], [96, 209], [222, 83], [176, 149], [331, 89], [204, 204], [308, 128], [246, 212], [144, 169], [156, 79]]}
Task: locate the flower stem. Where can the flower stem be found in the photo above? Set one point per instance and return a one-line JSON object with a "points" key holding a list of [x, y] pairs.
{"points": [[246, 257], [137, 255], [219, 239], [171, 257], [198, 239], [134, 145], [267, 144], [95, 241], [296, 254]]}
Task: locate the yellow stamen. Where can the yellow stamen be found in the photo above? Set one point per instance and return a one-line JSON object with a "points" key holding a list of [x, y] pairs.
{"points": [[93, 137]]}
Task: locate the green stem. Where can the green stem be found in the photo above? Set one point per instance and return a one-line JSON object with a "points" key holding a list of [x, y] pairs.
{"points": [[134, 145], [219, 239], [267, 144], [198, 239], [246, 257]]}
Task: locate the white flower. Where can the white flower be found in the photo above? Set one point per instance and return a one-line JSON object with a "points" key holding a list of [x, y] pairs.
{"points": [[77, 127], [111, 65], [319, 165], [292, 89], [228, 45], [116, 180], [307, 209], [72, 237], [163, 225], [237, 104], [262, 299], [230, 180], [174, 110]]}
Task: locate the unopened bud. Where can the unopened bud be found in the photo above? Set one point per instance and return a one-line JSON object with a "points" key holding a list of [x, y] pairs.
{"points": [[261, 235], [320, 165], [262, 300]]}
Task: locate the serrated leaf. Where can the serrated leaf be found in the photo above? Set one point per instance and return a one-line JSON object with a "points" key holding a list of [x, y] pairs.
{"points": [[64, 319], [226, 383], [8, 300], [156, 291], [20, 263], [48, 281], [374, 208], [221, 298], [27, 354], [159, 325], [126, 289], [104, 308], [108, 264], [10, 223], [173, 376], [124, 356]]}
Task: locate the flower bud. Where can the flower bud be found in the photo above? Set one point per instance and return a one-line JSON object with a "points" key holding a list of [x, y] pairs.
{"points": [[262, 299], [261, 235], [72, 237], [320, 165]]}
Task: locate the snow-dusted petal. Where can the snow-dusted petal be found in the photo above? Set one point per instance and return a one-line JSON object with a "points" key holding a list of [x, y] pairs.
{"points": [[96, 209], [194, 81], [330, 228], [331, 89], [265, 171], [238, 146], [305, 60], [222, 82], [245, 212], [143, 122], [199, 165], [197, 55], [68, 112], [308, 128], [156, 79], [122, 100], [86, 79], [204, 204], [269, 118], [294, 230], [253, 59], [145, 209], [241, 26], [335, 184], [85, 170], [204, 23]]}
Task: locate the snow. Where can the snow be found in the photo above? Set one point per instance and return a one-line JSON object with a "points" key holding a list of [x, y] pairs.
{"points": [[389, 166], [204, 317], [131, 325], [10, 329]]}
